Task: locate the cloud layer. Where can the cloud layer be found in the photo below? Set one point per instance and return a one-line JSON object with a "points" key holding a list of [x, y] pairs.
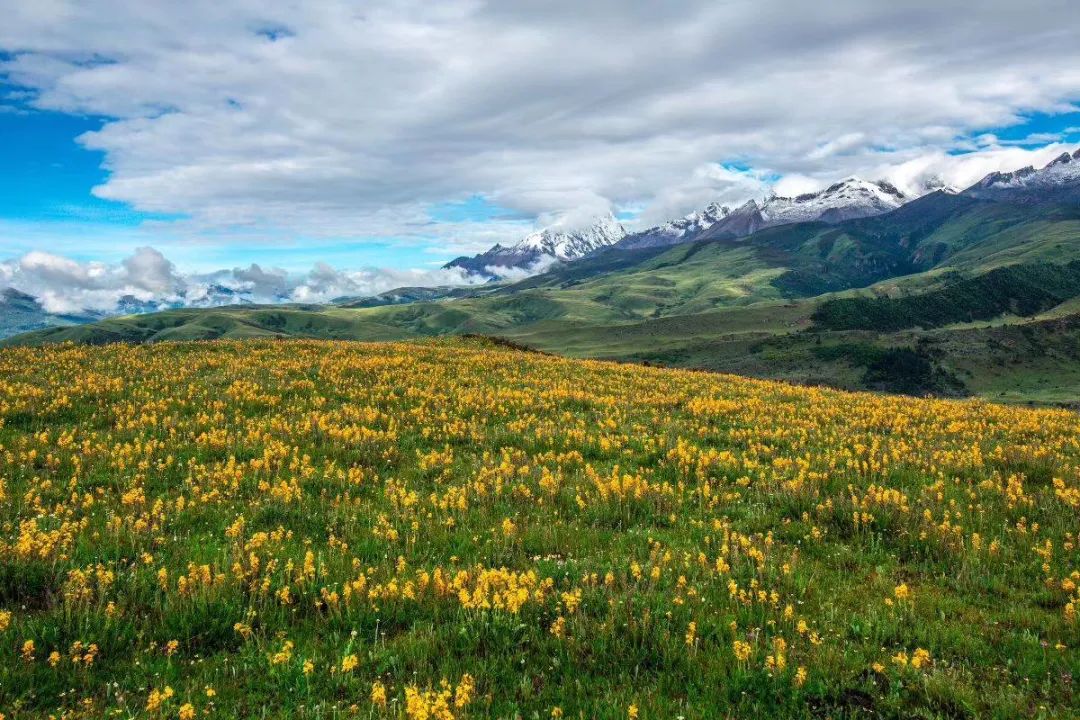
{"points": [[344, 119], [147, 280]]}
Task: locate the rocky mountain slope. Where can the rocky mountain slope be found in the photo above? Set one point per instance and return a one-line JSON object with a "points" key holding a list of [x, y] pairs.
{"points": [[845, 200], [1059, 181], [543, 247]]}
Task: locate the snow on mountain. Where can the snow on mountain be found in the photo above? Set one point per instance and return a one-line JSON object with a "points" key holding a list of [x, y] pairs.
{"points": [[851, 198], [934, 184], [695, 222], [672, 232], [846, 200], [565, 244], [543, 247], [1059, 181]]}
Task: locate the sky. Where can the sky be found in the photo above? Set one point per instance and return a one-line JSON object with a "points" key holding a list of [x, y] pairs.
{"points": [[345, 146]]}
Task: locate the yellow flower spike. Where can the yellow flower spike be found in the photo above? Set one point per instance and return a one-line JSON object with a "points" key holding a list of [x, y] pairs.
{"points": [[378, 694], [902, 592]]}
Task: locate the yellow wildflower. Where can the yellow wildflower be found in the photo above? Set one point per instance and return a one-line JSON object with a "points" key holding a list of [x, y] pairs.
{"points": [[349, 663], [378, 694]]}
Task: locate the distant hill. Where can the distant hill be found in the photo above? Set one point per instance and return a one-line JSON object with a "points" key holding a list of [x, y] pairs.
{"points": [[835, 252]]}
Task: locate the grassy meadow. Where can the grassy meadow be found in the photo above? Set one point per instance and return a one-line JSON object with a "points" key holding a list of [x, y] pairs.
{"points": [[447, 529]]}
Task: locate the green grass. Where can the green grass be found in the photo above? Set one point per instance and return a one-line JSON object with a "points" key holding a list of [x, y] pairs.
{"points": [[144, 458]]}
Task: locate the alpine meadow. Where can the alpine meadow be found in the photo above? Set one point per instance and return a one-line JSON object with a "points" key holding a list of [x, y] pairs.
{"points": [[562, 360], [454, 529]]}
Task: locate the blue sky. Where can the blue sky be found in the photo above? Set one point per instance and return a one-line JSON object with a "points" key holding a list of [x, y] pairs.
{"points": [[46, 199], [47, 177], [1039, 128]]}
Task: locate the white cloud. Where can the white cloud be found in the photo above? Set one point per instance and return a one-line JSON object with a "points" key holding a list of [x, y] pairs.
{"points": [[147, 280], [796, 184], [358, 117], [842, 144], [963, 171], [324, 283], [63, 285], [512, 274]]}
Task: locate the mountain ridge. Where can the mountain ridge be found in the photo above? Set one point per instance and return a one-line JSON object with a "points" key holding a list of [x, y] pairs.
{"points": [[1058, 181], [546, 245], [850, 198]]}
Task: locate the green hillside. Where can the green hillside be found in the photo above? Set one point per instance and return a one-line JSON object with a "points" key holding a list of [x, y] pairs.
{"points": [[1018, 289]]}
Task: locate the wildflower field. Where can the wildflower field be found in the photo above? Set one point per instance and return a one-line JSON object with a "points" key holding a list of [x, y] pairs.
{"points": [[451, 529]]}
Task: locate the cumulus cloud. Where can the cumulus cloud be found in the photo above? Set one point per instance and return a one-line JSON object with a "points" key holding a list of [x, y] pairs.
{"points": [[512, 274], [324, 283], [148, 281], [352, 120], [66, 286], [932, 169]]}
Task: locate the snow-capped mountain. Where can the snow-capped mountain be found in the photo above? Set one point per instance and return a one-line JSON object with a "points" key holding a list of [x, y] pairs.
{"points": [[544, 246], [216, 294], [848, 199], [935, 183], [1059, 181], [568, 244], [673, 232]]}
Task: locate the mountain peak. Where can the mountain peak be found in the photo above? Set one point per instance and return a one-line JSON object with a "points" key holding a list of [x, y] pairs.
{"points": [[1057, 181], [555, 242], [1062, 159], [714, 210], [566, 243], [850, 198], [10, 294], [747, 207]]}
